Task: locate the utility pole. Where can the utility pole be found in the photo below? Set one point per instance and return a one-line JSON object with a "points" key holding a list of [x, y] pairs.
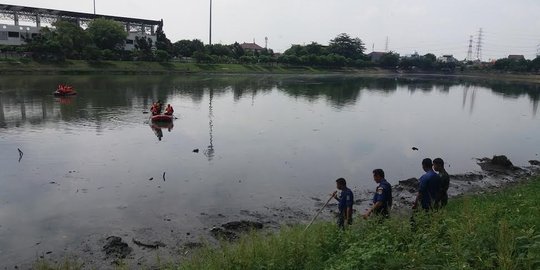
{"points": [[479, 44], [386, 45], [538, 51], [266, 43], [470, 52], [94, 7], [210, 39]]}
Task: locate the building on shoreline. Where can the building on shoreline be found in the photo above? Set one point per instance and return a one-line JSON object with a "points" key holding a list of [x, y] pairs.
{"points": [[251, 47], [16, 34]]}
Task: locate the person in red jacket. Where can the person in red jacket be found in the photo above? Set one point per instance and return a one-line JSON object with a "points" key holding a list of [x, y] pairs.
{"points": [[169, 110]]}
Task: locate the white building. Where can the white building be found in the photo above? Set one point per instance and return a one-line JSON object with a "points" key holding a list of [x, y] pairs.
{"points": [[17, 34]]}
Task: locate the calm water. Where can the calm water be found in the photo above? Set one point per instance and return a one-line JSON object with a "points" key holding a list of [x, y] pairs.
{"points": [[264, 142]]}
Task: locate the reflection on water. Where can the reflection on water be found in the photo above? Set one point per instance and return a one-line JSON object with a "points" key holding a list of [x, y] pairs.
{"points": [[158, 128], [262, 138], [33, 104], [210, 152]]}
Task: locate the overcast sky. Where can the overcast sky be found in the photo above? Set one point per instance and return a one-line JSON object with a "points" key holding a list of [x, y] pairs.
{"points": [[441, 27]]}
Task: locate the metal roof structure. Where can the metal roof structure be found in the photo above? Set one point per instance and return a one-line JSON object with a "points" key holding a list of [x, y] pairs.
{"points": [[38, 15]]}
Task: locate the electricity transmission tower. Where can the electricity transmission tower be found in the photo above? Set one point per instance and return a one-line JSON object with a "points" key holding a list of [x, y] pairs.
{"points": [[479, 44], [470, 52]]}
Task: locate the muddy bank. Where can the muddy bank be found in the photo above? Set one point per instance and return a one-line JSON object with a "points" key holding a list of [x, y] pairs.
{"points": [[149, 247]]}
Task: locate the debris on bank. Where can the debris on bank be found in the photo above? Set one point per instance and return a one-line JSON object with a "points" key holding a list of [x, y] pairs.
{"points": [[230, 231], [116, 248]]}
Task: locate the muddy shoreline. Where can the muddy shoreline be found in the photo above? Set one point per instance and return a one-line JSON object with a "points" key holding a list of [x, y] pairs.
{"points": [[150, 248]]}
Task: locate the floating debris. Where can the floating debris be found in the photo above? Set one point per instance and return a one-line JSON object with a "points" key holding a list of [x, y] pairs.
{"points": [[21, 154], [153, 245]]}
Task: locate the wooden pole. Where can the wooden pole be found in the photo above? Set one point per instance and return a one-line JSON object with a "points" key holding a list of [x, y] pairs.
{"points": [[318, 213]]}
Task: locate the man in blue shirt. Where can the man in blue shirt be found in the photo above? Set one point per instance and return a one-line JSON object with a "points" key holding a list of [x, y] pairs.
{"points": [[382, 200], [429, 186], [345, 203]]}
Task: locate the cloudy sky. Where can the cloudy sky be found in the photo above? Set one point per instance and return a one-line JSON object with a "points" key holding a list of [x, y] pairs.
{"points": [[441, 27]]}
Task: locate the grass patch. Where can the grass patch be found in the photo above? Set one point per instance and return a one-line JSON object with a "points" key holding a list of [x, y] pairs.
{"points": [[13, 66], [495, 231]]}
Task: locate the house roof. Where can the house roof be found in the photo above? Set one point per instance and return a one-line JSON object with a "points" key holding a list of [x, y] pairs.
{"points": [[376, 53], [251, 46], [516, 56]]}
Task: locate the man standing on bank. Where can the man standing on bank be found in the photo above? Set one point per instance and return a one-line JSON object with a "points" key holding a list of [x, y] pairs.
{"points": [[345, 203], [429, 186], [382, 200], [438, 166]]}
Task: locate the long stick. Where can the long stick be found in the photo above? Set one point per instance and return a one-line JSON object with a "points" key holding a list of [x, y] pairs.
{"points": [[318, 213]]}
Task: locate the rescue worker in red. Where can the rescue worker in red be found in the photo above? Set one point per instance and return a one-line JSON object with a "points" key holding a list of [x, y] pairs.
{"points": [[64, 89], [169, 110], [154, 109]]}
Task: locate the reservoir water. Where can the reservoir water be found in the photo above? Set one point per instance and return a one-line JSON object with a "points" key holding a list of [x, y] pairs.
{"points": [[93, 165]]}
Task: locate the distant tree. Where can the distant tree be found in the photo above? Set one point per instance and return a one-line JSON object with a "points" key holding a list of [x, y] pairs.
{"points": [[107, 34], [431, 57], [296, 50], [186, 48], [162, 56], [162, 42], [389, 60], [202, 57], [73, 38], [218, 50], [344, 45], [143, 47], [315, 49], [502, 64], [535, 64], [110, 55], [46, 47], [237, 50]]}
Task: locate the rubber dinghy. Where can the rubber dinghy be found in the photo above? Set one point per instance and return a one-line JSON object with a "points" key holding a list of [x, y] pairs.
{"points": [[163, 118], [61, 94], [64, 91]]}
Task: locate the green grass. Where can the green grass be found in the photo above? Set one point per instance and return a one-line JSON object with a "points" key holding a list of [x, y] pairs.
{"points": [[500, 230], [495, 231], [15, 66]]}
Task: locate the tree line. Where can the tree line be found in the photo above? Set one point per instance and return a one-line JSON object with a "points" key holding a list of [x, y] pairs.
{"points": [[105, 39]]}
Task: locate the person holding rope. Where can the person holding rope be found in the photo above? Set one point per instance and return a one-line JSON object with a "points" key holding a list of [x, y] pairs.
{"points": [[345, 203], [382, 200]]}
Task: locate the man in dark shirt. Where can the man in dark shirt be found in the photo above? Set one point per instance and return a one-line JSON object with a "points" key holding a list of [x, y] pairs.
{"points": [[442, 199], [429, 186], [382, 200], [345, 203]]}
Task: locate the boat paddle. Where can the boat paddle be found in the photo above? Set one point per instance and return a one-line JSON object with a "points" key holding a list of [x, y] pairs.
{"points": [[320, 211]]}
